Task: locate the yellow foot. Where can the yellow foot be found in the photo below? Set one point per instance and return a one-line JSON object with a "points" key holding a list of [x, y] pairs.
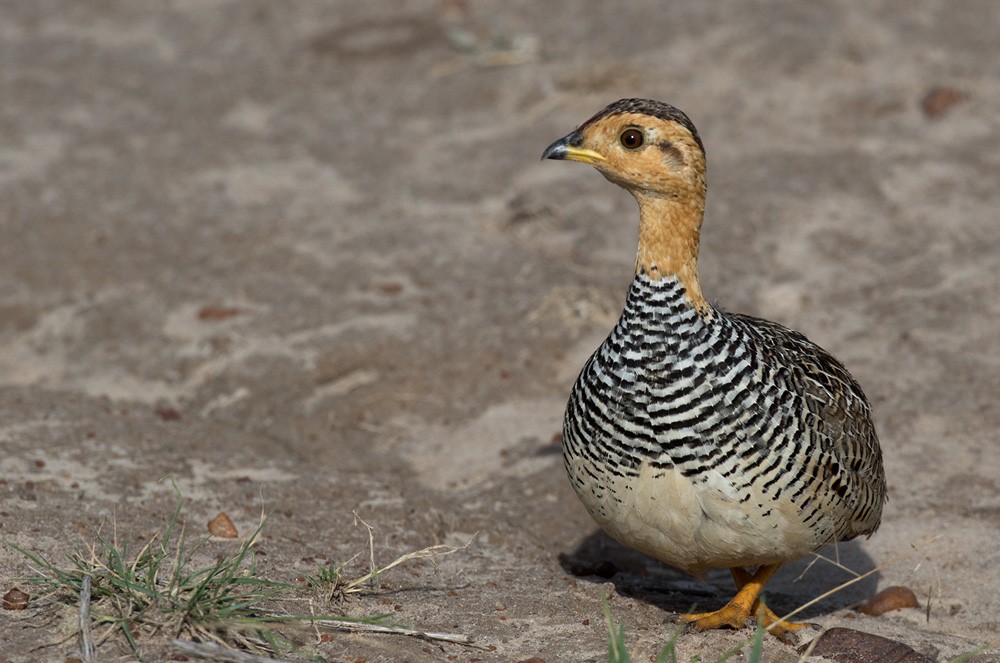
{"points": [[731, 615], [745, 604]]}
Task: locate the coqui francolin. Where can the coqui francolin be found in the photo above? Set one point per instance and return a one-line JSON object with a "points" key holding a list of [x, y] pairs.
{"points": [[703, 438]]}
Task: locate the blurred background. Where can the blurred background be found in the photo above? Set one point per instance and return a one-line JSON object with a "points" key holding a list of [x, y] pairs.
{"points": [[309, 251]]}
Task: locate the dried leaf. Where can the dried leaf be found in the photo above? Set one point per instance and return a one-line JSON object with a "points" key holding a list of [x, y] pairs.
{"points": [[940, 99], [889, 599], [217, 313], [222, 527], [15, 599]]}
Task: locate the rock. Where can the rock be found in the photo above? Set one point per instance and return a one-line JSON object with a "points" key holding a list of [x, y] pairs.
{"points": [[846, 645]]}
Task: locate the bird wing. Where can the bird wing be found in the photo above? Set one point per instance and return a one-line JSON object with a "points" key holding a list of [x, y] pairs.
{"points": [[813, 389]]}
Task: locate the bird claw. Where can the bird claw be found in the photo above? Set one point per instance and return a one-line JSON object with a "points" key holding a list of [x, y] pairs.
{"points": [[787, 637], [787, 632], [688, 625]]}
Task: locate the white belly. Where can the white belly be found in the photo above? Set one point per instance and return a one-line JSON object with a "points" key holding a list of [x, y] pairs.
{"points": [[693, 527]]}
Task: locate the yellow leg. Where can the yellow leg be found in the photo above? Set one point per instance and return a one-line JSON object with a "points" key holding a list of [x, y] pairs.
{"points": [[765, 616], [744, 605]]}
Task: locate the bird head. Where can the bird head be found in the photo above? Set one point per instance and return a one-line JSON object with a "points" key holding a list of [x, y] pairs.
{"points": [[653, 151], [647, 147]]}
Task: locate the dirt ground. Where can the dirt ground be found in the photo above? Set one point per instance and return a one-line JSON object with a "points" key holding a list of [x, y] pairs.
{"points": [[305, 257]]}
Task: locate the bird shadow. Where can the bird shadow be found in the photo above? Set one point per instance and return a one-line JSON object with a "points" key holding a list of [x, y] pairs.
{"points": [[599, 558]]}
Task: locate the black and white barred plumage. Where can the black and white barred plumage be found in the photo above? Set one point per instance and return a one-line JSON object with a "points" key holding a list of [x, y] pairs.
{"points": [[732, 403]]}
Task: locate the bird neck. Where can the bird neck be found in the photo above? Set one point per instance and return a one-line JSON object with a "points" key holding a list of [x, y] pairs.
{"points": [[669, 232]]}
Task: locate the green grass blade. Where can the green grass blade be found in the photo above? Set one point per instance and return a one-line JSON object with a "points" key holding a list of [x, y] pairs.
{"points": [[757, 644], [129, 637], [669, 652], [961, 658], [616, 636]]}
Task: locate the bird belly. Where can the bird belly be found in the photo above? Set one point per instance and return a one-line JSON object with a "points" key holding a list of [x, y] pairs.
{"points": [[692, 524]]}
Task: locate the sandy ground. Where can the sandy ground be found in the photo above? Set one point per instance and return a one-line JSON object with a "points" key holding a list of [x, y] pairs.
{"points": [[305, 256]]}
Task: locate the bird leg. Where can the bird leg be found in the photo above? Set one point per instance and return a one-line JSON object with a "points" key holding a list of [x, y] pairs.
{"points": [[744, 605], [765, 616]]}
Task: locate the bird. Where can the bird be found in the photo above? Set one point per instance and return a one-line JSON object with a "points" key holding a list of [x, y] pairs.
{"points": [[703, 438]]}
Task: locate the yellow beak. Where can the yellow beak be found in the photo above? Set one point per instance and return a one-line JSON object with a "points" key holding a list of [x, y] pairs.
{"points": [[568, 147]]}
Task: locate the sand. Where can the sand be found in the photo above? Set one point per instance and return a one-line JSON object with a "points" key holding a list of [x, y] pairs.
{"points": [[304, 257]]}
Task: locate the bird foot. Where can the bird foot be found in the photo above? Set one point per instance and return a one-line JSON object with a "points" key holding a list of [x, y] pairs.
{"points": [[746, 604], [736, 614], [731, 615]]}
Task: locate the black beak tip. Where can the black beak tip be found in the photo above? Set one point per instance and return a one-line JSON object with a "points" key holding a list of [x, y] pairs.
{"points": [[556, 150]]}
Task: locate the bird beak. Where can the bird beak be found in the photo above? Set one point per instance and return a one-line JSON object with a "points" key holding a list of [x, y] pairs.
{"points": [[568, 147]]}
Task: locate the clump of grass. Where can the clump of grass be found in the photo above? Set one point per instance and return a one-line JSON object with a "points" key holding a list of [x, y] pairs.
{"points": [[160, 590], [328, 578], [162, 593]]}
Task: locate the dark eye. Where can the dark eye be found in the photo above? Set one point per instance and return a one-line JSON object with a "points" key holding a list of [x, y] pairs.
{"points": [[631, 139]]}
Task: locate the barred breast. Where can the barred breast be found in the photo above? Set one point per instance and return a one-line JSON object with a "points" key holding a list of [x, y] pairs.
{"points": [[714, 440]]}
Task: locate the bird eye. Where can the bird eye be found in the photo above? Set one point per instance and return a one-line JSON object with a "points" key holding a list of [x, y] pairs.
{"points": [[631, 139]]}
